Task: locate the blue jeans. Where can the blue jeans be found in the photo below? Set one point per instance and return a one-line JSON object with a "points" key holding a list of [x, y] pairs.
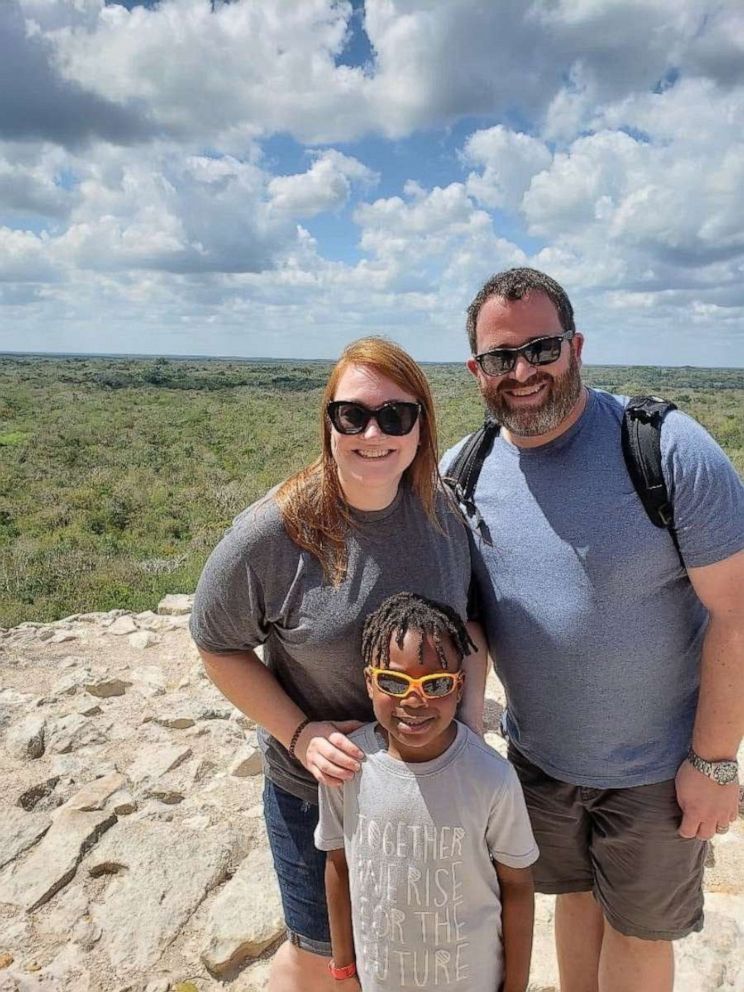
{"points": [[300, 868]]}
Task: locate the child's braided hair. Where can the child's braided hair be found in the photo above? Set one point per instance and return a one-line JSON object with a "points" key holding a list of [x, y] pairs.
{"points": [[407, 611]]}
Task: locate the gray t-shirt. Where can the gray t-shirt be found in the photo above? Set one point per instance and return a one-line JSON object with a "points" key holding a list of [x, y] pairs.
{"points": [[594, 626], [420, 841], [258, 587]]}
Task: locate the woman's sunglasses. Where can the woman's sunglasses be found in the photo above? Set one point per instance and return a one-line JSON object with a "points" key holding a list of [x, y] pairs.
{"points": [[395, 418], [541, 351], [398, 684]]}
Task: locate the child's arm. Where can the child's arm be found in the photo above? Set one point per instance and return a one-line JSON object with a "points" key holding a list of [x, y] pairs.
{"points": [[517, 919], [475, 667], [338, 898]]}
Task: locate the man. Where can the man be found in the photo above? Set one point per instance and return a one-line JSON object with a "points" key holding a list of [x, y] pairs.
{"points": [[616, 661]]}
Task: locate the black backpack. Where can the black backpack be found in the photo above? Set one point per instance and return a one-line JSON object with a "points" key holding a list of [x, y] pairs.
{"points": [[641, 443]]}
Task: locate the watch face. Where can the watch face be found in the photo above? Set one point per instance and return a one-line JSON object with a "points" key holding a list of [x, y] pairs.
{"points": [[722, 772], [725, 772]]}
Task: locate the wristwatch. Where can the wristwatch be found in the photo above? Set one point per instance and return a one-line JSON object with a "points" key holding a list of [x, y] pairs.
{"points": [[722, 772]]}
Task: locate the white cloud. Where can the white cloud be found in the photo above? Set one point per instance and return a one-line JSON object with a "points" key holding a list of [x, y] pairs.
{"points": [[183, 215], [24, 257], [326, 185], [160, 162], [31, 184], [252, 68], [509, 160]]}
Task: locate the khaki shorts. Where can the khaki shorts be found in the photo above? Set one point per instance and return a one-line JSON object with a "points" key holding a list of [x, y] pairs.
{"points": [[620, 844]]}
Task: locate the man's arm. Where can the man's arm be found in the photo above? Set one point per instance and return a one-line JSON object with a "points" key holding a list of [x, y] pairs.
{"points": [[475, 666], [719, 721], [338, 898], [517, 921]]}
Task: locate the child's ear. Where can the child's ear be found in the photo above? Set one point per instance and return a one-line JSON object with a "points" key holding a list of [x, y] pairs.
{"points": [[460, 687], [368, 680]]}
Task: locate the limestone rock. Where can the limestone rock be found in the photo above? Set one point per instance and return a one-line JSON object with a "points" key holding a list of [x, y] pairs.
{"points": [[123, 625], [122, 803], [246, 916], [175, 605], [179, 623], [89, 709], [54, 861], [40, 796], [105, 687], [19, 831], [149, 680], [246, 762], [72, 681], [242, 720], [142, 639], [62, 914], [26, 739], [63, 635], [170, 789], [67, 971], [175, 722], [153, 761], [86, 933], [712, 960], [93, 796], [177, 712], [160, 876], [179, 817], [727, 872], [73, 731], [160, 985], [12, 703]]}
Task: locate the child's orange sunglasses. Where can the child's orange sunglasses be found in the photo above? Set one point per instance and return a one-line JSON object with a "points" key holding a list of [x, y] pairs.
{"points": [[398, 684]]}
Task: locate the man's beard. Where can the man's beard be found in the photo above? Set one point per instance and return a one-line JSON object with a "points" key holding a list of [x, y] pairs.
{"points": [[559, 400]]}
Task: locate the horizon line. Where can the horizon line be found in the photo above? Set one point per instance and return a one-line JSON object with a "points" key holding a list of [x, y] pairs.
{"points": [[269, 358]]}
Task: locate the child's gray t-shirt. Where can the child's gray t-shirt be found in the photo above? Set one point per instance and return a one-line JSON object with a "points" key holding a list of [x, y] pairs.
{"points": [[420, 841], [259, 587]]}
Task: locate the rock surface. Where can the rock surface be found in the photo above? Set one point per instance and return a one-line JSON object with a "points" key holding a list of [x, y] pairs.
{"points": [[132, 849]]}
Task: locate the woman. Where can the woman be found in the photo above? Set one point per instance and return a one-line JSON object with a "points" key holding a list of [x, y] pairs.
{"points": [[298, 572]]}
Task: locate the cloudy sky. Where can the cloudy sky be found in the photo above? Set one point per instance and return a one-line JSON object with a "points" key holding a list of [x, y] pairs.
{"points": [[278, 177]]}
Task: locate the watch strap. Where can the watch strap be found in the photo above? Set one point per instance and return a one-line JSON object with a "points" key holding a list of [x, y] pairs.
{"points": [[723, 772]]}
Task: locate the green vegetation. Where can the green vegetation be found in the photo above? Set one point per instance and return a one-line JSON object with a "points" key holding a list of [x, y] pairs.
{"points": [[118, 476]]}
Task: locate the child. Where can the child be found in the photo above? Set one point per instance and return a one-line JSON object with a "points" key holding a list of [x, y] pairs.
{"points": [[427, 875]]}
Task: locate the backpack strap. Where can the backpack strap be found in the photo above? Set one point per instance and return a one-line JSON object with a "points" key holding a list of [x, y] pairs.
{"points": [[463, 471], [641, 440]]}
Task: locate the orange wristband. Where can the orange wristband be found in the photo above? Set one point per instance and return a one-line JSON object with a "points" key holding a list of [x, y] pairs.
{"points": [[348, 971]]}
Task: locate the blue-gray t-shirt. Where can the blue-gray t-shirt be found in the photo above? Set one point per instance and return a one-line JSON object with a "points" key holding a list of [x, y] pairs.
{"points": [[592, 622]]}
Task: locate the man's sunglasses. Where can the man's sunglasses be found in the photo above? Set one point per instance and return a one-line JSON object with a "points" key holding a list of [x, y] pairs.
{"points": [[397, 684], [541, 351], [395, 418]]}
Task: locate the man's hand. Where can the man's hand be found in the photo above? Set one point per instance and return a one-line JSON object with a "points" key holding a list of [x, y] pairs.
{"points": [[707, 807], [327, 753]]}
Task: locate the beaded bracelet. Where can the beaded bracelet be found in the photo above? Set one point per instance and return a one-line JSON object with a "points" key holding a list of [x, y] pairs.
{"points": [[296, 736]]}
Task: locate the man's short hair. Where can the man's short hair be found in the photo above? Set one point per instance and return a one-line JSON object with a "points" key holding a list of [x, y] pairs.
{"points": [[515, 284]]}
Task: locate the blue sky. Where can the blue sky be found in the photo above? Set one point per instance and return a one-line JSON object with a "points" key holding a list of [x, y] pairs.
{"points": [[277, 178]]}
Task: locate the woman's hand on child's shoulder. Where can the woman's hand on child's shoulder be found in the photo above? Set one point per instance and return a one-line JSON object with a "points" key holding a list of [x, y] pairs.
{"points": [[327, 753]]}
